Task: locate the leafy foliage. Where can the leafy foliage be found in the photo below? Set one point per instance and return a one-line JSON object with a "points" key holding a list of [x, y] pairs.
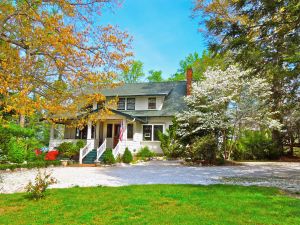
{"points": [[134, 73], [30, 165], [70, 149], [200, 65], [169, 142], [145, 153], [155, 76], [50, 53], [37, 190], [17, 151], [256, 145], [224, 102], [203, 148], [108, 157], [262, 36], [127, 156]]}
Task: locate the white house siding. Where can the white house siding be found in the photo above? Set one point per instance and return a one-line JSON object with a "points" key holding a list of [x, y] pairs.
{"points": [[141, 102]]}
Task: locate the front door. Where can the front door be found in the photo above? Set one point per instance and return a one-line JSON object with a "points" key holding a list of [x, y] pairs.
{"points": [[116, 134]]}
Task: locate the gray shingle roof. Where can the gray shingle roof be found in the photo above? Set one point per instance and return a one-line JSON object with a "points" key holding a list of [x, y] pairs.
{"points": [[173, 103], [140, 89]]}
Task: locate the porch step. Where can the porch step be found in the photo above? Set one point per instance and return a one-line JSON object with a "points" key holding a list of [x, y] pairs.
{"points": [[90, 157]]}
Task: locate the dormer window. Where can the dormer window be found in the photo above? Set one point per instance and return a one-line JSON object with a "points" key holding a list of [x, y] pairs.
{"points": [[126, 104], [151, 103], [130, 104], [121, 104]]}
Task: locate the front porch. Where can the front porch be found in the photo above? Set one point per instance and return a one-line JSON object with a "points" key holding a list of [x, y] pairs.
{"points": [[116, 132]]}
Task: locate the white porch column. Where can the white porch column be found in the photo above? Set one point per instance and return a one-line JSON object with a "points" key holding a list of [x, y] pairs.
{"points": [[52, 131], [89, 130], [97, 134], [124, 136]]}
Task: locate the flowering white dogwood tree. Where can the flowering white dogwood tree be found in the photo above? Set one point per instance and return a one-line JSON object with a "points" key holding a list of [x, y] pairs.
{"points": [[226, 100]]}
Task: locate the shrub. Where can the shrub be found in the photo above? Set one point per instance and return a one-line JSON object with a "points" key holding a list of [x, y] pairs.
{"points": [[119, 158], [145, 153], [65, 147], [255, 145], [204, 148], [42, 181], [29, 165], [127, 156], [17, 151], [52, 155], [108, 157], [70, 149], [169, 142], [80, 144]]}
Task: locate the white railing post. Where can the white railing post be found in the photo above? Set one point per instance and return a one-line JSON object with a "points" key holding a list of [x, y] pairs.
{"points": [[84, 151], [101, 150]]}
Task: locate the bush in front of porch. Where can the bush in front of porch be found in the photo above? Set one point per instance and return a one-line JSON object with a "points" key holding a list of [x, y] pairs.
{"points": [[69, 149], [108, 157], [127, 156]]}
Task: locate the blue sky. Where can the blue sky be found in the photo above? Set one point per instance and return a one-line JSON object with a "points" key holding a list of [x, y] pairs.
{"points": [[163, 31]]}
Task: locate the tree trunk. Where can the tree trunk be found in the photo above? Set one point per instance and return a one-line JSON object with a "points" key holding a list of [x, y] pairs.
{"points": [[276, 109], [22, 121], [224, 143]]}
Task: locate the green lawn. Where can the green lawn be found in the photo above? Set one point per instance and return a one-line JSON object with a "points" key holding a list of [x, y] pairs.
{"points": [[153, 204]]}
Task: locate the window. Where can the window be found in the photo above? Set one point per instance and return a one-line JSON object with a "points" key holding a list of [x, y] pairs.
{"points": [[130, 103], [150, 132], [109, 130], [157, 129], [130, 131], [81, 133], [147, 132], [151, 103], [121, 104]]}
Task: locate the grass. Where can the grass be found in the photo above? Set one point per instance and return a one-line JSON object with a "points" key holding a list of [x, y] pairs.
{"points": [[153, 204]]}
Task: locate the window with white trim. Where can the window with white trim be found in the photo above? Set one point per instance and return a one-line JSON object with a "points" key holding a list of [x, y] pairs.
{"points": [[130, 104], [150, 131], [151, 103], [130, 131], [126, 104], [121, 104]]}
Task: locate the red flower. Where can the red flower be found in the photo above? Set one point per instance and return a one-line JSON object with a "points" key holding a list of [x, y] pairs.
{"points": [[51, 155], [38, 151]]}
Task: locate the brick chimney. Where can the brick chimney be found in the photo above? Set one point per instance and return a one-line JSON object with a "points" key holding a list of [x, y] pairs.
{"points": [[189, 78]]}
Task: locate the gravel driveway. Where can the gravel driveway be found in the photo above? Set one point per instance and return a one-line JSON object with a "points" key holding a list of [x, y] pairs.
{"points": [[283, 175]]}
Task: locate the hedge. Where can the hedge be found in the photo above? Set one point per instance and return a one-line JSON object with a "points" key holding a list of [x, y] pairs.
{"points": [[29, 165]]}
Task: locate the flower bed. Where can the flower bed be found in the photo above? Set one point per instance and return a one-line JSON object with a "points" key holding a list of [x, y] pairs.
{"points": [[29, 165]]}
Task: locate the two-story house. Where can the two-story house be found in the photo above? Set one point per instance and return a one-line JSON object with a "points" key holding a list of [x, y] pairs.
{"points": [[143, 110]]}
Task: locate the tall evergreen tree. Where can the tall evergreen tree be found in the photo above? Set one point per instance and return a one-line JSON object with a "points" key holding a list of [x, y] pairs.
{"points": [[261, 35]]}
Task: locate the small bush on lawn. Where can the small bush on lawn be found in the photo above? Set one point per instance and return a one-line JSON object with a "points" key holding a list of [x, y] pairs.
{"points": [[127, 157], [108, 157], [145, 153], [37, 189]]}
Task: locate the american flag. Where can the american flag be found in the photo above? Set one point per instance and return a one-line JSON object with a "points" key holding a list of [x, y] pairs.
{"points": [[121, 131]]}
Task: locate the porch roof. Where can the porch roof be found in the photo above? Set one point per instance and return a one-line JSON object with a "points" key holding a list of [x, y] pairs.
{"points": [[142, 120]]}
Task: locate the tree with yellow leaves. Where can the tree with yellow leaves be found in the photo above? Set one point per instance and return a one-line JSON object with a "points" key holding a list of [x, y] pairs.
{"points": [[54, 60]]}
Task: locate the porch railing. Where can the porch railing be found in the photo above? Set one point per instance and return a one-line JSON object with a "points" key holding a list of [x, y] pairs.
{"points": [[117, 149], [84, 151], [101, 150]]}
